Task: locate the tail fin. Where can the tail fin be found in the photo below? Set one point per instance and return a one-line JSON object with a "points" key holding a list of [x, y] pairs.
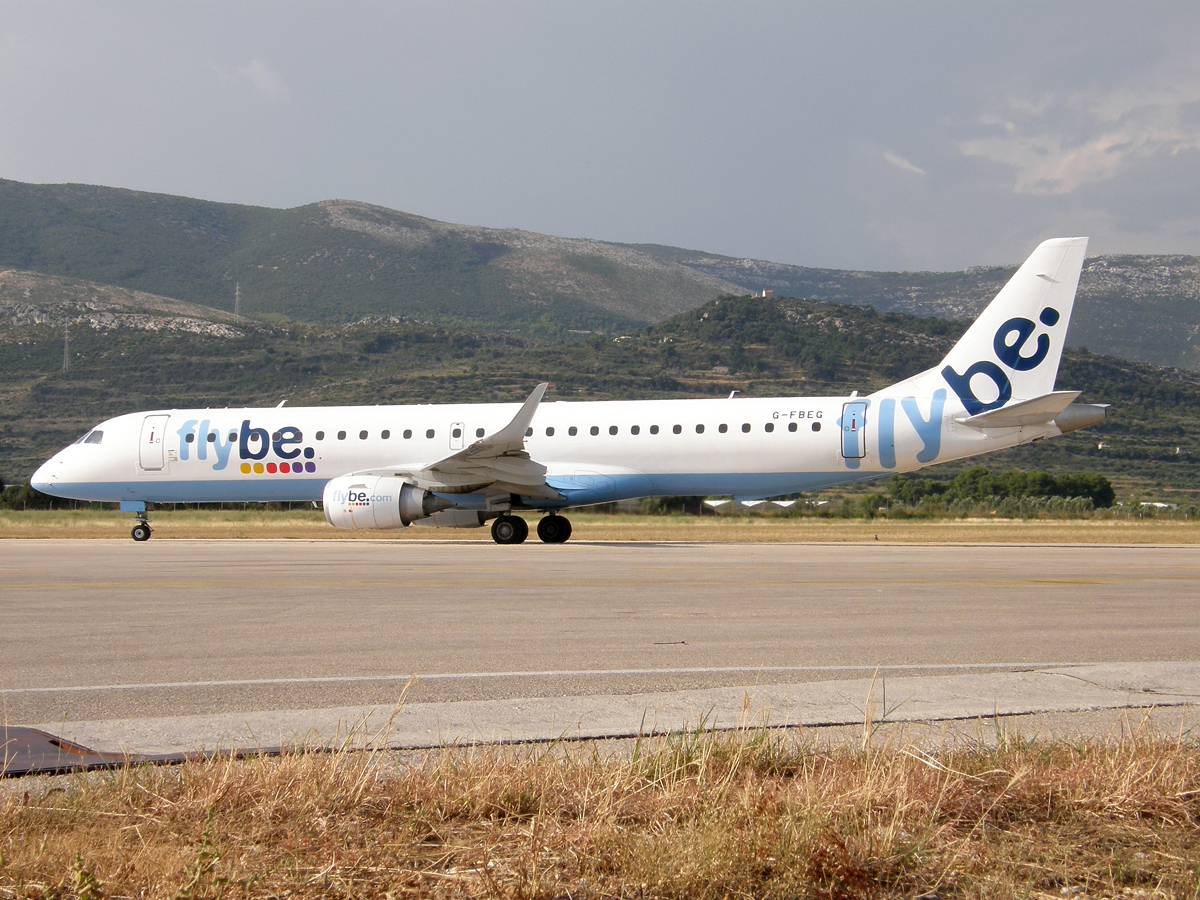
{"points": [[1012, 350]]}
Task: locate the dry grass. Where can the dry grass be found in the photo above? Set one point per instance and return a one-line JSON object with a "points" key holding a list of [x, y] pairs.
{"points": [[743, 814], [310, 525]]}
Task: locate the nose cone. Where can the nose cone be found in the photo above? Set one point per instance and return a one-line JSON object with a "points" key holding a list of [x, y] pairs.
{"points": [[47, 477]]}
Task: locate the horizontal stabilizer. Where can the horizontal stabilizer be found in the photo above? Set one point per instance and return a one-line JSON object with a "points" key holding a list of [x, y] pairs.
{"points": [[1038, 411]]}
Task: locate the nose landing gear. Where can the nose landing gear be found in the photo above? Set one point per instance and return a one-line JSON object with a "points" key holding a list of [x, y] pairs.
{"points": [[141, 531]]}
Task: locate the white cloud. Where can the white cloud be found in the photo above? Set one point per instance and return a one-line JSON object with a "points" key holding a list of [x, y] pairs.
{"points": [[265, 80], [901, 163], [1056, 144]]}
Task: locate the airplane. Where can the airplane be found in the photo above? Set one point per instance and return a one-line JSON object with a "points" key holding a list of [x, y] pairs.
{"points": [[461, 465]]}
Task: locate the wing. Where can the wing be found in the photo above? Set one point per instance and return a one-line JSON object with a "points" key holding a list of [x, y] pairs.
{"points": [[497, 463]]}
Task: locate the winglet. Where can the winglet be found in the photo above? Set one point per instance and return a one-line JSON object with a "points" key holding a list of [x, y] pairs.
{"points": [[514, 431]]}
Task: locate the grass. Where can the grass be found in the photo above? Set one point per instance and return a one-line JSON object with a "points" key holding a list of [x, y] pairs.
{"points": [[749, 813], [311, 525]]}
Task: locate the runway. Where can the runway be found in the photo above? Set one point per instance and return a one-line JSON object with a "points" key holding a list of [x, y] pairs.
{"points": [[221, 632]]}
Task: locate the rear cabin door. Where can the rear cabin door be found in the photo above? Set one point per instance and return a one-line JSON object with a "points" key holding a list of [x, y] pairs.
{"points": [[457, 431], [854, 430], [152, 445]]}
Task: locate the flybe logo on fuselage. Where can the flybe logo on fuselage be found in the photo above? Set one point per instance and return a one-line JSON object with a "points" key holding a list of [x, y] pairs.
{"points": [[201, 442], [1008, 344]]}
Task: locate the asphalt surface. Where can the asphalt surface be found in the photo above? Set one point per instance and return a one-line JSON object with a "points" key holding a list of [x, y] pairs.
{"points": [[108, 630]]}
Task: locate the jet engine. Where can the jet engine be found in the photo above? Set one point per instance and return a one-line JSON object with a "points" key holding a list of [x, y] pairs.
{"points": [[375, 501]]}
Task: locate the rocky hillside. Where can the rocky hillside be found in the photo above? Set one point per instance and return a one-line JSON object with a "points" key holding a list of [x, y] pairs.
{"points": [[31, 298], [1144, 308]]}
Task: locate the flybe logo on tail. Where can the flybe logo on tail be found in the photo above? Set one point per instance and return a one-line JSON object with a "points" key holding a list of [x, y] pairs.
{"points": [[1009, 345]]}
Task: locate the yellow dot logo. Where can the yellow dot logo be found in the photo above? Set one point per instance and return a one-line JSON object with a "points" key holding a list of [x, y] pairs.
{"points": [[245, 468], [258, 468]]}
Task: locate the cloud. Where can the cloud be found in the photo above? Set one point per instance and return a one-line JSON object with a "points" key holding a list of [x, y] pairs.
{"points": [[1056, 144], [265, 80], [901, 163]]}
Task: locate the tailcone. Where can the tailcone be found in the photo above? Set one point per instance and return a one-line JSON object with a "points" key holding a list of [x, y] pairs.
{"points": [[1081, 415]]}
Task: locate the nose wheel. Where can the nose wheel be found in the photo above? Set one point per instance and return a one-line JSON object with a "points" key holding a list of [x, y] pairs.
{"points": [[509, 530], [554, 529], [141, 531]]}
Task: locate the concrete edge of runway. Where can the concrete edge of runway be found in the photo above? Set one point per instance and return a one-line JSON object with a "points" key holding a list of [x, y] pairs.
{"points": [[940, 698]]}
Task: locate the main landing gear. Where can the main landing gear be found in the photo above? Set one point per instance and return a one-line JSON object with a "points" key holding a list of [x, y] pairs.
{"points": [[508, 529], [554, 529]]}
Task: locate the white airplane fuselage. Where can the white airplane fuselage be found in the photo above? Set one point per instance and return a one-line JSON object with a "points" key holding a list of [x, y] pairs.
{"points": [[994, 390]]}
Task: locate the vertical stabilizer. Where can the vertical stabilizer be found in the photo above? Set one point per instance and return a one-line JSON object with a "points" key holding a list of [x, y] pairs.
{"points": [[1012, 351]]}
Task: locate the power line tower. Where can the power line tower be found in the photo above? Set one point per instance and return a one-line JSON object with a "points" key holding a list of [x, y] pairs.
{"points": [[66, 348]]}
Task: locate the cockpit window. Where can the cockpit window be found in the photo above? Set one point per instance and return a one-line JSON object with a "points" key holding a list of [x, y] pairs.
{"points": [[94, 438], [82, 436]]}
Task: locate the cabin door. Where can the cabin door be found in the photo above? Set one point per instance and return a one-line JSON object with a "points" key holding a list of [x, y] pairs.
{"points": [[151, 447], [854, 430], [457, 435]]}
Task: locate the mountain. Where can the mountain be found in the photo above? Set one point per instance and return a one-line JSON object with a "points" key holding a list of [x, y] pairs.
{"points": [[1143, 308], [338, 261], [757, 346]]}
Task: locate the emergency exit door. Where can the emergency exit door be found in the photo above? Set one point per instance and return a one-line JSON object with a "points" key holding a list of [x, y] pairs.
{"points": [[151, 447], [854, 430]]}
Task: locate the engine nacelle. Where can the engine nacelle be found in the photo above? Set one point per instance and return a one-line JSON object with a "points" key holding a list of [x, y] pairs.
{"points": [[374, 501]]}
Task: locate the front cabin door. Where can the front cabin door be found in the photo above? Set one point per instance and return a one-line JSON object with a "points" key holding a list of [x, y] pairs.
{"points": [[151, 447]]}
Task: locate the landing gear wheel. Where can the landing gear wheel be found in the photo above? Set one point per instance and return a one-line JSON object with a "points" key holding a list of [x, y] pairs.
{"points": [[509, 530], [141, 532], [554, 529]]}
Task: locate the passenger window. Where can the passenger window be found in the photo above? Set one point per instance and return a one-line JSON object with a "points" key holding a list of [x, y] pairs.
{"points": [[572, 431], [677, 429], [528, 432], [550, 431], [407, 433], [429, 433], [362, 435], [385, 434], [768, 427], [233, 436], [699, 429], [722, 428], [816, 426], [654, 429], [478, 432], [212, 437], [457, 432], [341, 435], [595, 429], [612, 429], [277, 437], [95, 437], [320, 436], [191, 438], [745, 428], [792, 426], [635, 429]]}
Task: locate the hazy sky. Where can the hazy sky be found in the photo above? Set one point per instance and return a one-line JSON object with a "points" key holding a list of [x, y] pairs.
{"points": [[860, 135]]}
